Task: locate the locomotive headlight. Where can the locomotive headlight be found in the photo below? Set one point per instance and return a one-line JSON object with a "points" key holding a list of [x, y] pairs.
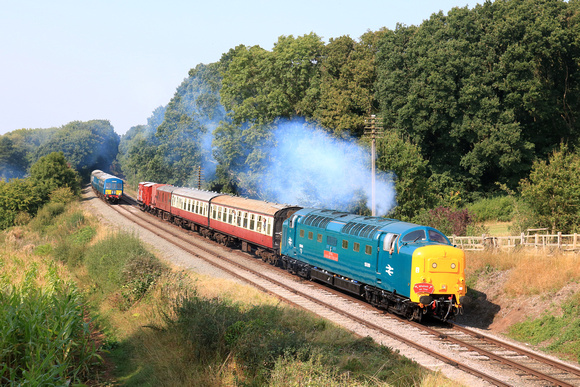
{"points": [[453, 266], [434, 265]]}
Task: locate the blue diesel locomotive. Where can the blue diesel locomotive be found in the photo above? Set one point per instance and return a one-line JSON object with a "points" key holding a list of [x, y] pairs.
{"points": [[106, 186], [406, 268]]}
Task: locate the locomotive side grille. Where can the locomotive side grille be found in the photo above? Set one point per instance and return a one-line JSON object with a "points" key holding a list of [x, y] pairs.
{"points": [[360, 229], [316, 221]]}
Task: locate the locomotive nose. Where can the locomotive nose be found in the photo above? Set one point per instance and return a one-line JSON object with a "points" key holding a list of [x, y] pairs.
{"points": [[438, 271]]}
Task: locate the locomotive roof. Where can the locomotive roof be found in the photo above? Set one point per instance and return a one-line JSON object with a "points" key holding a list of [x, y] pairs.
{"points": [[196, 194], [104, 175], [355, 225], [251, 205]]}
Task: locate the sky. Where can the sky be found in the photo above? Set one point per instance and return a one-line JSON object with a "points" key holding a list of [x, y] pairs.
{"points": [[79, 60]]}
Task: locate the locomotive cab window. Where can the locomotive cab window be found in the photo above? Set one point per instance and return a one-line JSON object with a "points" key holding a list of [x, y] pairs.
{"points": [[368, 250], [414, 236], [319, 238], [389, 242], [302, 233], [344, 244], [310, 235], [356, 247], [435, 236]]}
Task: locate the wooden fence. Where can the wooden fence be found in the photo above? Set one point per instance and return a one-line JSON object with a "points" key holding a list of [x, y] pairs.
{"points": [[568, 242]]}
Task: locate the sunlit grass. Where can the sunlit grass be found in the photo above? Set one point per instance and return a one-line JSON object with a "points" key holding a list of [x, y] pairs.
{"points": [[530, 271]]}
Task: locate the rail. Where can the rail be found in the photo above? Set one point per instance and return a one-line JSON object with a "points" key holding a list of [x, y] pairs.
{"points": [[563, 242]]}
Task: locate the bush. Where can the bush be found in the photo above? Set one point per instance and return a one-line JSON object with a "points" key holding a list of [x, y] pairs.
{"points": [[500, 208], [447, 220], [46, 216]]}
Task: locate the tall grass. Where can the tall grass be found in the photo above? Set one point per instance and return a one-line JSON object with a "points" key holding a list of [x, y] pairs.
{"points": [[121, 264], [258, 345], [45, 340], [530, 271]]}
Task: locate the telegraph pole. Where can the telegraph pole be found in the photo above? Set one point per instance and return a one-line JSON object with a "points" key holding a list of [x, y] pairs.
{"points": [[371, 129], [199, 177]]}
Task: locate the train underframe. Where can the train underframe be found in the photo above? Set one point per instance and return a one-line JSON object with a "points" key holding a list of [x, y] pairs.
{"points": [[440, 306], [113, 199]]}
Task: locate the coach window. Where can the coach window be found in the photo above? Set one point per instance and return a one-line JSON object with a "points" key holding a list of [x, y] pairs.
{"points": [[344, 244], [319, 238], [231, 219], [259, 223], [269, 230], [368, 250], [252, 221], [245, 220], [310, 235], [356, 247]]}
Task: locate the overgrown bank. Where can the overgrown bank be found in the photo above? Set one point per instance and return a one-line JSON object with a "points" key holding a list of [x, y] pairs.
{"points": [[155, 326]]}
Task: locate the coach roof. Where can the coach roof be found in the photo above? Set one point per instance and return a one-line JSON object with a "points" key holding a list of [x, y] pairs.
{"points": [[250, 205], [196, 194]]}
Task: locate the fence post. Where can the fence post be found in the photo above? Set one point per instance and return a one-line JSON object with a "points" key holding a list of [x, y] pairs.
{"points": [[574, 243], [559, 239], [523, 241]]}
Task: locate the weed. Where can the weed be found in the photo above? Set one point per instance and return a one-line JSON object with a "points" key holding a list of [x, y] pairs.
{"points": [[555, 334], [44, 338]]}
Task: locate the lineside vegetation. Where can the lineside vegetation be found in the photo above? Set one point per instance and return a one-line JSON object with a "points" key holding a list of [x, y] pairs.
{"points": [[134, 321]]}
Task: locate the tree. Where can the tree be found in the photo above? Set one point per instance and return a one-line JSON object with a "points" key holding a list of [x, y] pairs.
{"points": [[185, 136], [86, 145], [53, 171], [553, 191], [482, 90], [404, 158], [344, 95], [12, 159]]}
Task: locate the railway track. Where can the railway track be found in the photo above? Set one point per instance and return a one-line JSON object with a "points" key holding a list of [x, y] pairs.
{"points": [[494, 361]]}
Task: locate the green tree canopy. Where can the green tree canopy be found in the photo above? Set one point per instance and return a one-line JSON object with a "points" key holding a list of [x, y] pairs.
{"points": [[553, 191], [53, 171], [482, 91], [86, 145]]}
